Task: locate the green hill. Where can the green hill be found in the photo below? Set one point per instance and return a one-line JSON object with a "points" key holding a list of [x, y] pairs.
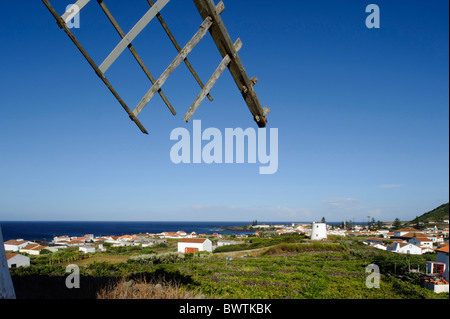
{"points": [[436, 215]]}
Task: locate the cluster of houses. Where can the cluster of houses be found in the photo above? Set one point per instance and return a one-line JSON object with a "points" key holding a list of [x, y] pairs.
{"points": [[408, 241], [188, 242]]}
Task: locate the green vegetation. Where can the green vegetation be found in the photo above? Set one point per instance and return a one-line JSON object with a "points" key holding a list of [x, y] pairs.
{"points": [[437, 215], [287, 266]]}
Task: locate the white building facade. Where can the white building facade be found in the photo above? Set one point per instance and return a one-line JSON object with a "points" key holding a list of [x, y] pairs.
{"points": [[17, 260], [191, 245]]}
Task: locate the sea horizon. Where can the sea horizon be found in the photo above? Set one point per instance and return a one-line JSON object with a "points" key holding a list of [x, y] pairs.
{"points": [[46, 230]]}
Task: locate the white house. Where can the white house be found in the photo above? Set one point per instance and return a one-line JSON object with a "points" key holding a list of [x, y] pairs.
{"points": [[32, 249], [17, 260], [87, 249], [15, 244], [421, 241], [401, 232], [190, 245], [405, 248]]}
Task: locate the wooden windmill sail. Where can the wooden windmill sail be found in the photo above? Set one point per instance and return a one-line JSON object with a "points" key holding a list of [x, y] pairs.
{"points": [[212, 23]]}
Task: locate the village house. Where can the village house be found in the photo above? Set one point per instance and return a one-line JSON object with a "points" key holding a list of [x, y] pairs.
{"points": [[32, 249], [17, 260], [87, 249], [421, 241], [15, 244], [404, 248], [401, 232], [191, 245]]}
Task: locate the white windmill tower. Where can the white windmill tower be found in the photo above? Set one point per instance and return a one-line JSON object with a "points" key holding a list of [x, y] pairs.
{"points": [[318, 231]]}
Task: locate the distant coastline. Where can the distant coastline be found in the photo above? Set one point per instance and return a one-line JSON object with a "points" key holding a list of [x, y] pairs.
{"points": [[46, 230]]}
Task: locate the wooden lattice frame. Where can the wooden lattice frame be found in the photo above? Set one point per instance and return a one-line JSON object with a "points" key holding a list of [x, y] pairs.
{"points": [[212, 22]]}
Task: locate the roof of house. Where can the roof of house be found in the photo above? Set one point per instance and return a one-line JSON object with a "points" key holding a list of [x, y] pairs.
{"points": [[33, 247], [193, 240], [15, 242], [443, 249], [408, 230], [419, 236], [10, 255]]}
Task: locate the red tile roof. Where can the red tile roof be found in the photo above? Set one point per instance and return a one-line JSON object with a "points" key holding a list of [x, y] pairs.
{"points": [[443, 249], [193, 240]]}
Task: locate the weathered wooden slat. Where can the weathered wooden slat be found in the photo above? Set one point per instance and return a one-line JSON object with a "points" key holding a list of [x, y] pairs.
{"points": [[62, 25], [214, 78], [145, 20], [135, 54], [175, 64], [220, 8], [223, 42], [69, 15]]}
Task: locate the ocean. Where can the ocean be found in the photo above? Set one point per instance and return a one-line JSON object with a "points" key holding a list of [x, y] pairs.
{"points": [[46, 230]]}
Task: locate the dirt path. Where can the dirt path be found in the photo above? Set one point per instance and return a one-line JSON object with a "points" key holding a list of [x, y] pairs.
{"points": [[241, 253]]}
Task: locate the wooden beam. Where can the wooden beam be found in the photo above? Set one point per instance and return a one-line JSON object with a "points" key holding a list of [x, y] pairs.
{"points": [[69, 15], [134, 53], [214, 78], [62, 25], [220, 8], [175, 64], [134, 32], [223, 42]]}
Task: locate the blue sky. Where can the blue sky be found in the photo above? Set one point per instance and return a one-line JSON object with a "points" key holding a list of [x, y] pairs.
{"points": [[362, 114]]}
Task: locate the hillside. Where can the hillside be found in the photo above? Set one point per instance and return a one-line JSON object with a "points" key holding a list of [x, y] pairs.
{"points": [[437, 214]]}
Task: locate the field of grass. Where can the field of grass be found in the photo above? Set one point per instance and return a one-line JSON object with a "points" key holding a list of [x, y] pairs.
{"points": [[284, 268]]}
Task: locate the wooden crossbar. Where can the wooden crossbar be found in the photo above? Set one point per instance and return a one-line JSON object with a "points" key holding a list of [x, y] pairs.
{"points": [[134, 32], [69, 14]]}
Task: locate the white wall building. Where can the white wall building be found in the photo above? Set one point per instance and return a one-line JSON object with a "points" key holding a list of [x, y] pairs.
{"points": [[17, 260], [318, 231], [87, 249], [405, 248], [421, 241], [15, 244], [191, 245], [32, 249]]}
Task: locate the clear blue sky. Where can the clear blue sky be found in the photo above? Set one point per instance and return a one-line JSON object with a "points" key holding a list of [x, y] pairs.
{"points": [[362, 114]]}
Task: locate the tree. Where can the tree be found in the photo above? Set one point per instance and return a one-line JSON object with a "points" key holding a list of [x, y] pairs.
{"points": [[397, 224], [323, 220], [380, 224]]}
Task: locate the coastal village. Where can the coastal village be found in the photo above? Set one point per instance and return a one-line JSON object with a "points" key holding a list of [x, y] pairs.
{"points": [[398, 241]]}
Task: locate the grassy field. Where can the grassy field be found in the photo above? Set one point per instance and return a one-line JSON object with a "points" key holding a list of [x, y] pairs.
{"points": [[281, 268]]}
